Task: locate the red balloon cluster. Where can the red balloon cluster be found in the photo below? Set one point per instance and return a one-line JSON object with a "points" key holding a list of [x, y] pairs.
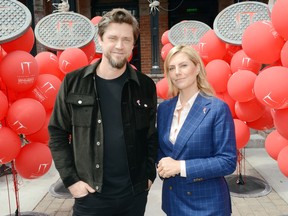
{"points": [[28, 88], [253, 82]]}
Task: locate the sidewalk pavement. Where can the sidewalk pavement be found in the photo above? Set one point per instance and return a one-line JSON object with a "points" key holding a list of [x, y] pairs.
{"points": [[35, 198]]}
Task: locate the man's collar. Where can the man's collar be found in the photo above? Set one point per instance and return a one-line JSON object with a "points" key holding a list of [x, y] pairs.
{"points": [[130, 71]]}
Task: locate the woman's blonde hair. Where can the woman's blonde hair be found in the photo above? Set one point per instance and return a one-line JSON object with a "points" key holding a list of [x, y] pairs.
{"points": [[202, 82]]}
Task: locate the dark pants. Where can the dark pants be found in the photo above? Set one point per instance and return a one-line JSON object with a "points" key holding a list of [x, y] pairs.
{"points": [[95, 205]]}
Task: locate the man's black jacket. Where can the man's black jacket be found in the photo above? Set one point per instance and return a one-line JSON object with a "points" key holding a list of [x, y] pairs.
{"points": [[76, 131]]}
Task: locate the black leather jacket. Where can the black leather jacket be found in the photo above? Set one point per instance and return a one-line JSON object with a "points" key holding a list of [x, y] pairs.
{"points": [[76, 132]]}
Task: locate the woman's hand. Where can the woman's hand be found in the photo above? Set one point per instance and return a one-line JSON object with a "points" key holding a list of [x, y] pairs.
{"points": [[168, 167]]}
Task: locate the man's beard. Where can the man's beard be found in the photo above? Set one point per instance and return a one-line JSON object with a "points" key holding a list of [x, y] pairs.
{"points": [[117, 64]]}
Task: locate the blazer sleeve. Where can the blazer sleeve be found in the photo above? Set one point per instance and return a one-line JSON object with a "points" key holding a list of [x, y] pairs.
{"points": [[223, 160]]}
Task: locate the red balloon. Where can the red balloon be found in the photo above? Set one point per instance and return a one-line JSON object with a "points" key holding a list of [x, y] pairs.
{"points": [[230, 52], [41, 135], [89, 50], [3, 105], [279, 17], [240, 85], [165, 50], [262, 43], [271, 87], [274, 143], [26, 116], [45, 90], [48, 63], [33, 161], [284, 55], [240, 61], [19, 71], [282, 161], [95, 20], [242, 133], [250, 110], [218, 73], [229, 100], [25, 42], [265, 122], [164, 38], [162, 88], [211, 47], [281, 122], [10, 145], [71, 59]]}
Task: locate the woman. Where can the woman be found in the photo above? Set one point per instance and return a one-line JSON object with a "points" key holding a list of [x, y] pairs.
{"points": [[197, 145]]}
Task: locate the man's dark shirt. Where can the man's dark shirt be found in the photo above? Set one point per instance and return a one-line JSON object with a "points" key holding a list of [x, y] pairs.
{"points": [[116, 172]]}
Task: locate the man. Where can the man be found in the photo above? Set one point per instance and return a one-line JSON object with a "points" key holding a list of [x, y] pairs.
{"points": [[102, 130]]}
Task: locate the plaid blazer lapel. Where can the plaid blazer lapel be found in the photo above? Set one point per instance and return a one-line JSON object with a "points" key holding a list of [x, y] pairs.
{"points": [[195, 116], [168, 113]]}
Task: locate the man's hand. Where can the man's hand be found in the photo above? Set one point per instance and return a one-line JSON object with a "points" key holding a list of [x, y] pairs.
{"points": [[168, 167], [80, 189]]}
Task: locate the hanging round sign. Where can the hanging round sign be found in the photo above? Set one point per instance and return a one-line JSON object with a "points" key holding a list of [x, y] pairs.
{"points": [[61, 30], [187, 32], [98, 46], [15, 20], [230, 24]]}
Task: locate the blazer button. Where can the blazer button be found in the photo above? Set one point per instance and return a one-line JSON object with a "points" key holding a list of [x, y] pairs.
{"points": [[170, 188], [189, 193]]}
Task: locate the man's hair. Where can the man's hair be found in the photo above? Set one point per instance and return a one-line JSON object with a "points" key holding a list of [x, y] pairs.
{"points": [[118, 15]]}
